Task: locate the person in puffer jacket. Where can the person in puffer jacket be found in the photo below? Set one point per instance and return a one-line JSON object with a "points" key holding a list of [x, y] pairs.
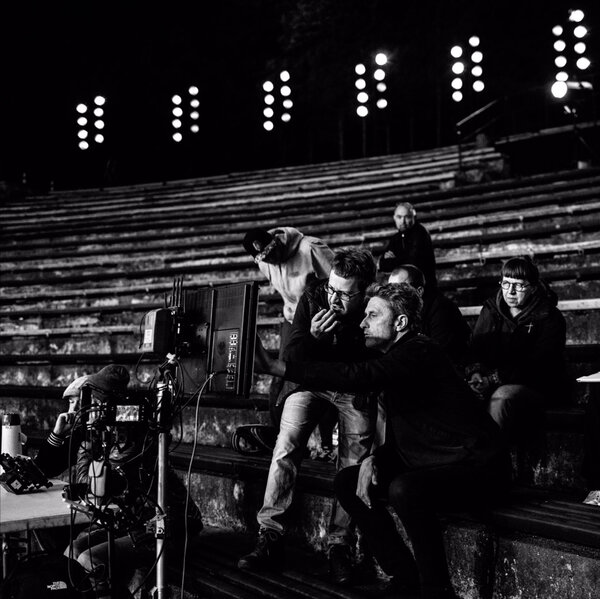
{"points": [[518, 350]]}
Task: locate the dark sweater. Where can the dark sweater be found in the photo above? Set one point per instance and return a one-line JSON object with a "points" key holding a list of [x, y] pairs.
{"points": [[411, 247], [433, 418]]}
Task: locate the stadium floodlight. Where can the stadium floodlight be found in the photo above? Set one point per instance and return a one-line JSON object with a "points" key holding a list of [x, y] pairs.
{"points": [[478, 86], [97, 122], [275, 96], [477, 71], [477, 56], [193, 90], [178, 111], [576, 16], [562, 76], [580, 31], [195, 103], [557, 30], [177, 137], [579, 47], [560, 62], [456, 51], [560, 45], [194, 128], [474, 41], [457, 83], [370, 83], [559, 89], [457, 96], [379, 75], [381, 58], [583, 63], [176, 99], [458, 68]]}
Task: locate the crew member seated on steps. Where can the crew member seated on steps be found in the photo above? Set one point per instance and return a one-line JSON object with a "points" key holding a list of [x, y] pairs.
{"points": [[518, 354], [129, 481], [326, 327], [290, 260], [442, 451], [441, 319]]}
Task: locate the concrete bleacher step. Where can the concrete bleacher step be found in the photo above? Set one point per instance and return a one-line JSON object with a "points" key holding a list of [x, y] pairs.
{"points": [[490, 555], [211, 572]]}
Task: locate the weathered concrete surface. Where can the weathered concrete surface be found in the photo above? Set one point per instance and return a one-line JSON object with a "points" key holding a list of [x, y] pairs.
{"points": [[483, 564]]}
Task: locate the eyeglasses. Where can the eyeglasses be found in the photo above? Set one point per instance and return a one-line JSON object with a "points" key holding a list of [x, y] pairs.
{"points": [[345, 297], [506, 285]]}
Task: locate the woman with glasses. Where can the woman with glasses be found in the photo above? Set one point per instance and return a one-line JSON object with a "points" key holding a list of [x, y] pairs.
{"points": [[517, 350]]}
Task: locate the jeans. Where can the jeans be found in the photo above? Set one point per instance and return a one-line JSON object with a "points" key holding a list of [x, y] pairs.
{"points": [[416, 496], [301, 413]]}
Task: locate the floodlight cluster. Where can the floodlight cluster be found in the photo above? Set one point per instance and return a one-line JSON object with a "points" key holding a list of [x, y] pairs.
{"points": [[466, 63], [90, 116], [371, 87], [185, 109], [570, 59], [277, 100]]}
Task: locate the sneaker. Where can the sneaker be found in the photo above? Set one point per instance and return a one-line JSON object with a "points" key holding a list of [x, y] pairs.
{"points": [[340, 564], [268, 553], [593, 498]]}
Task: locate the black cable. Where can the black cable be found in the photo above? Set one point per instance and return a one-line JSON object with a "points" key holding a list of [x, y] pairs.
{"points": [[188, 479]]}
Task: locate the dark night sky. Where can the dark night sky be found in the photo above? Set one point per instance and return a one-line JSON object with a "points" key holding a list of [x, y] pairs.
{"points": [[54, 57]]}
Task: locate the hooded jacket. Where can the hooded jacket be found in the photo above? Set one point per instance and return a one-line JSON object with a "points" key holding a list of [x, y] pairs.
{"points": [[302, 258], [527, 349]]}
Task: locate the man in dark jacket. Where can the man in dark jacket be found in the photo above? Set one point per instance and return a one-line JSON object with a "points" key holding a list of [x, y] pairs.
{"points": [[518, 344], [410, 245], [441, 319], [442, 450], [326, 327]]}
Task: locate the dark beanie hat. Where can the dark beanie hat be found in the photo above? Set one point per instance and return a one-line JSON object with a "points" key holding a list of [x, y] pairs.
{"points": [[113, 378], [260, 235]]}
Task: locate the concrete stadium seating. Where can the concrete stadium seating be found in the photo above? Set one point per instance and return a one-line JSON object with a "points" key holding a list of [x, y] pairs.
{"points": [[80, 268]]}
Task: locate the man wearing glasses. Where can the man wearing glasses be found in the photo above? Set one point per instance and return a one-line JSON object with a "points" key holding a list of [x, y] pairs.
{"points": [[518, 347], [326, 327]]}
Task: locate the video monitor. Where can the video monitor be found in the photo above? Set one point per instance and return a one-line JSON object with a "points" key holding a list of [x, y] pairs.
{"points": [[220, 325]]}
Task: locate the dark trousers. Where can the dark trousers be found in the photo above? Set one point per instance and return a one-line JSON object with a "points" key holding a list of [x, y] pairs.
{"points": [[417, 496], [591, 458]]}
